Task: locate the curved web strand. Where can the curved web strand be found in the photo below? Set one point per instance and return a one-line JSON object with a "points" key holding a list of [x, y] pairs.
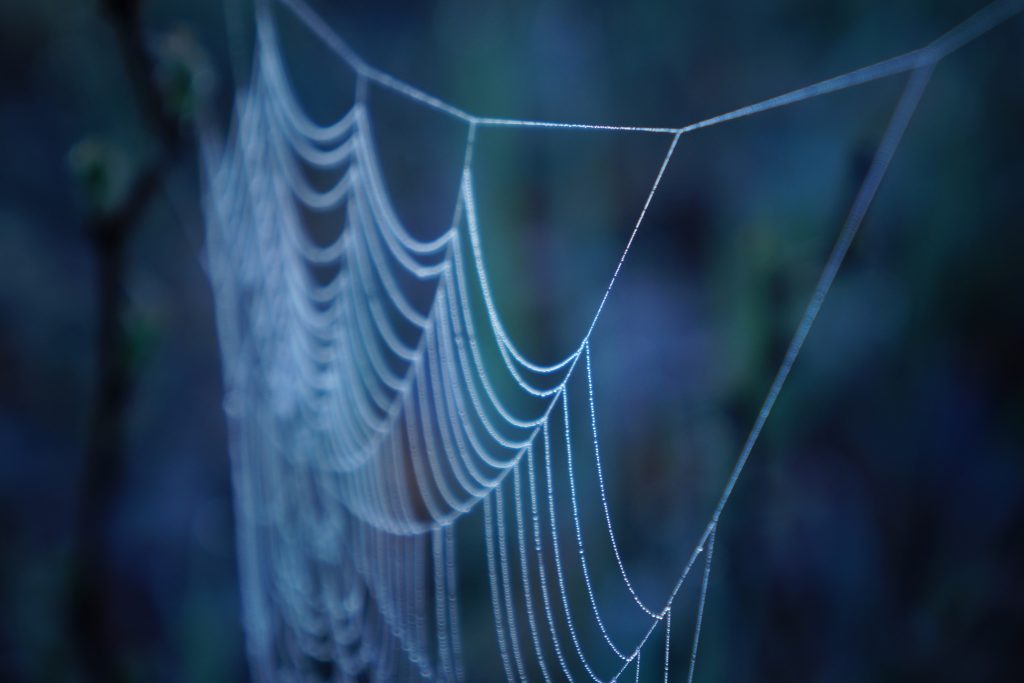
{"points": [[375, 395]]}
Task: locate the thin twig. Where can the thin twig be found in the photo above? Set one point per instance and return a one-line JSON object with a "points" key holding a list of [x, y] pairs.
{"points": [[94, 588]]}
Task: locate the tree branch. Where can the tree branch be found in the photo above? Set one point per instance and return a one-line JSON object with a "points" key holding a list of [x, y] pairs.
{"points": [[94, 615]]}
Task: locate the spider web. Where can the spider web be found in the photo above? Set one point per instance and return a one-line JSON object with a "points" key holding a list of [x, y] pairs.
{"points": [[376, 398]]}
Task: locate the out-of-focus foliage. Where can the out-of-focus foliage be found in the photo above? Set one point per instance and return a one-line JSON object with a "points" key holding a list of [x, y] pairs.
{"points": [[184, 73], [100, 170]]}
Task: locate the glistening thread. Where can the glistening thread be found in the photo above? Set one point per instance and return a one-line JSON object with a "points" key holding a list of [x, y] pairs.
{"points": [[365, 425]]}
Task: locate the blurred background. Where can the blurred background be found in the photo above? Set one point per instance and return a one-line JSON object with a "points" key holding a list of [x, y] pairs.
{"points": [[876, 533]]}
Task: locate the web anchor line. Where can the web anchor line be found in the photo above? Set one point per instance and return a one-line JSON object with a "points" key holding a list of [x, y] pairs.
{"points": [[375, 396], [969, 30]]}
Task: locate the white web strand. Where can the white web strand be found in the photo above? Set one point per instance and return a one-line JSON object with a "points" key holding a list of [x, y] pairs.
{"points": [[367, 417]]}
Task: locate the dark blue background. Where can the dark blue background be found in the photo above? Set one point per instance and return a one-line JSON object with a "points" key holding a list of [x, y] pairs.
{"points": [[876, 534]]}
